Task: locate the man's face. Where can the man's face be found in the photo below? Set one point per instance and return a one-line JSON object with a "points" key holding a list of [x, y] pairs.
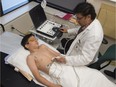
{"points": [[82, 20], [32, 42]]}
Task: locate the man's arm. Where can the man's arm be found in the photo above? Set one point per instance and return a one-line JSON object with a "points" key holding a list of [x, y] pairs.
{"points": [[35, 72]]}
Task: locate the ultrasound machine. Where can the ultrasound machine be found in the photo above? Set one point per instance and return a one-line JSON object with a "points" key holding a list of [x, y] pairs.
{"points": [[46, 29]]}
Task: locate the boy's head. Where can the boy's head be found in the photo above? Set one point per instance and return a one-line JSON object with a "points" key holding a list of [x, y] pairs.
{"points": [[25, 40]]}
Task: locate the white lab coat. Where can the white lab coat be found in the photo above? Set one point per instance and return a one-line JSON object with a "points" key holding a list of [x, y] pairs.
{"points": [[85, 47]]}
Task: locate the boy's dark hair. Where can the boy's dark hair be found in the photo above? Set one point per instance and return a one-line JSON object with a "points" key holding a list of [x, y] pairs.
{"points": [[25, 40], [85, 9]]}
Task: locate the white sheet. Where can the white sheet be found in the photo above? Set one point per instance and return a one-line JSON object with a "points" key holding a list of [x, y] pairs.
{"points": [[82, 76]]}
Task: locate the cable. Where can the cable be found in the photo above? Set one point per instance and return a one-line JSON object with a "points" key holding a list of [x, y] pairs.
{"points": [[52, 74], [18, 31], [57, 78], [65, 46], [78, 79], [2, 27]]}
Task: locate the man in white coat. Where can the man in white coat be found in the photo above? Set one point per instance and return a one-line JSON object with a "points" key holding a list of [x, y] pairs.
{"points": [[89, 35]]}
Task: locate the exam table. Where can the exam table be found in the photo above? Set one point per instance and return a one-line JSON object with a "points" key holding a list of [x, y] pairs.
{"points": [[9, 77]]}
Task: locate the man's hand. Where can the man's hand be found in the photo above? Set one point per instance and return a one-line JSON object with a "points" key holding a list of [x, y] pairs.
{"points": [[63, 30], [60, 59]]}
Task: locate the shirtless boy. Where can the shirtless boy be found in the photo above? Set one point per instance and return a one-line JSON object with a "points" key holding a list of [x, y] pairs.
{"points": [[41, 57]]}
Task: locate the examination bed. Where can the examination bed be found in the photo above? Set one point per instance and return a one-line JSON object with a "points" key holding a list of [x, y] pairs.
{"points": [[9, 77]]}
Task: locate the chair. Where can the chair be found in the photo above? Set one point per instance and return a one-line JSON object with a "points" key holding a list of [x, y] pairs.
{"points": [[104, 41], [109, 55]]}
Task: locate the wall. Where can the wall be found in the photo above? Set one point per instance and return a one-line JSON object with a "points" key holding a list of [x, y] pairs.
{"points": [[97, 3], [20, 25], [106, 11]]}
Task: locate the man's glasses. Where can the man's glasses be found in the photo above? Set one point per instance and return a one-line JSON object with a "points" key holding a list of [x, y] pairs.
{"points": [[79, 18]]}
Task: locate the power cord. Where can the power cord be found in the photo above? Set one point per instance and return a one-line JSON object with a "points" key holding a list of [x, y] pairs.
{"points": [[58, 78], [65, 46], [78, 79], [2, 27], [13, 28]]}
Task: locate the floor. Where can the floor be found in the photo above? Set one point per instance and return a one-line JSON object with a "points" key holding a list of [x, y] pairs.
{"points": [[111, 67]]}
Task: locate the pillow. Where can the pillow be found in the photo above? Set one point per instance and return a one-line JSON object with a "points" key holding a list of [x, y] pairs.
{"points": [[18, 60]]}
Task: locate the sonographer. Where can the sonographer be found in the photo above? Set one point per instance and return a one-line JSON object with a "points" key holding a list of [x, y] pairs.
{"points": [[83, 49]]}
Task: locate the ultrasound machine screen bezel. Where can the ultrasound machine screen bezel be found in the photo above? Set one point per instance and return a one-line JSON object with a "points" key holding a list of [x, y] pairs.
{"points": [[38, 17]]}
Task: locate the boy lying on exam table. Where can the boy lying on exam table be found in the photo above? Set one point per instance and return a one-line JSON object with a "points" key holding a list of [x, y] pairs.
{"points": [[50, 62]]}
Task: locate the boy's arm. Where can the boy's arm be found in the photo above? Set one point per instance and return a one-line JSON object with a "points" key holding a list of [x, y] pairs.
{"points": [[35, 72], [25, 74]]}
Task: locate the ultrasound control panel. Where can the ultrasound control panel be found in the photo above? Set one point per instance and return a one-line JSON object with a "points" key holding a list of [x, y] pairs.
{"points": [[47, 28]]}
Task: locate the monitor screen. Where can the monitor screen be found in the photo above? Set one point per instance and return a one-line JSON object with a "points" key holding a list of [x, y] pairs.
{"points": [[37, 15], [67, 6], [10, 5]]}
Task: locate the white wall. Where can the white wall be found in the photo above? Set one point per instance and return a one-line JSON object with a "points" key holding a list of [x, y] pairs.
{"points": [[97, 3]]}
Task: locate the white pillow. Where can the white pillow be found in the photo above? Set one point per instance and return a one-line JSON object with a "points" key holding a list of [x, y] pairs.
{"points": [[18, 60]]}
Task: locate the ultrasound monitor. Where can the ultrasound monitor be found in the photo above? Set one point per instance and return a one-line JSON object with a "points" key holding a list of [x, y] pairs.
{"points": [[42, 25], [38, 16]]}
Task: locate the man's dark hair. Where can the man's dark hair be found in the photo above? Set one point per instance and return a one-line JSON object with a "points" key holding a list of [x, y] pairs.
{"points": [[85, 9], [25, 40]]}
